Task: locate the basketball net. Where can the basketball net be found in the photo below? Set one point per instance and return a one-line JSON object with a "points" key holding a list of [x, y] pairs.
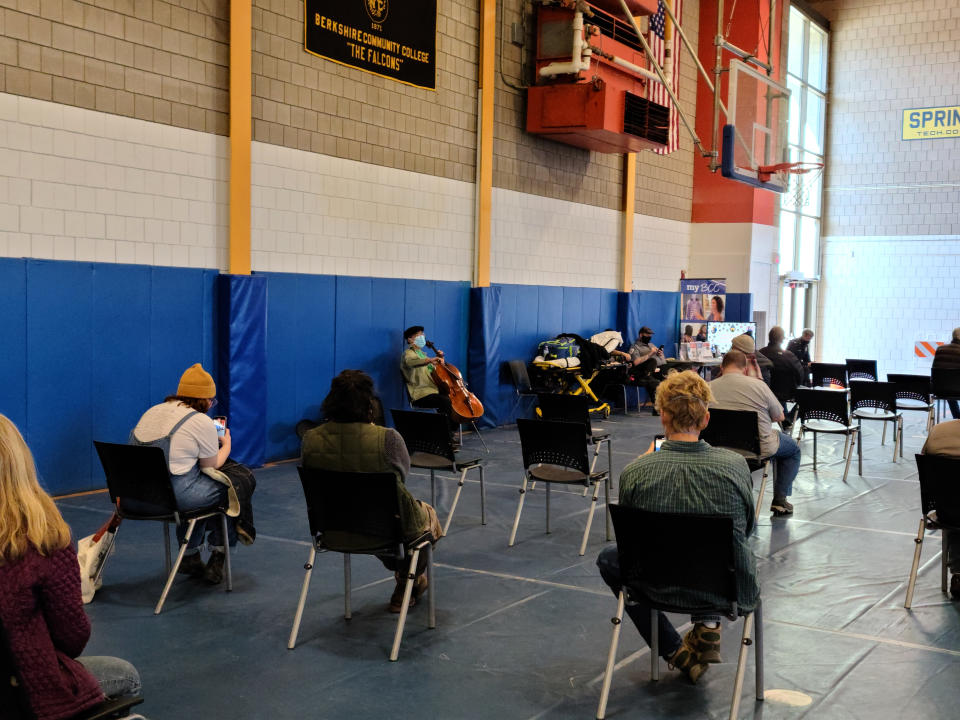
{"points": [[798, 178]]}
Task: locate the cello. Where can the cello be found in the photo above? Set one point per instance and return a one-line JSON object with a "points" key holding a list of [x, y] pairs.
{"points": [[466, 406]]}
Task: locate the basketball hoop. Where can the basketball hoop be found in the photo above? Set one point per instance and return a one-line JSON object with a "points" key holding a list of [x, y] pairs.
{"points": [[805, 177]]}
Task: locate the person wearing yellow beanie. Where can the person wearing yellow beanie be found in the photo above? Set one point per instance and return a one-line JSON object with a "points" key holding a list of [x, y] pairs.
{"points": [[180, 425]]}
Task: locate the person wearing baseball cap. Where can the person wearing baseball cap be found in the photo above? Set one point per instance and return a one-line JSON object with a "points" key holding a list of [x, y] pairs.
{"points": [[192, 442], [647, 359]]}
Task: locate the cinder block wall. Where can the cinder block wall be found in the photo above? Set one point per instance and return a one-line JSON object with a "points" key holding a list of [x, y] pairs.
{"points": [[891, 233]]}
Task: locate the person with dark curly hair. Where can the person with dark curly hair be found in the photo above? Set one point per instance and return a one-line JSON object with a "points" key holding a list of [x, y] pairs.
{"points": [[350, 441], [716, 309]]}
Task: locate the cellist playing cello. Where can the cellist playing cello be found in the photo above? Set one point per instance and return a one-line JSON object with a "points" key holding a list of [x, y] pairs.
{"points": [[417, 371]]}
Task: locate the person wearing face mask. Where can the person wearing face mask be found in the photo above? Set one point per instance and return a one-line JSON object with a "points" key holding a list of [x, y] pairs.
{"points": [[801, 348], [647, 359], [417, 371]]}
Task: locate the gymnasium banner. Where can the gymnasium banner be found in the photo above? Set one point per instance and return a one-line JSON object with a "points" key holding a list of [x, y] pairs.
{"points": [[701, 301], [395, 39]]}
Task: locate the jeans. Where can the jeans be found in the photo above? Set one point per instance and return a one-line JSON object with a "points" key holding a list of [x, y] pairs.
{"points": [[117, 677], [195, 490], [669, 639], [787, 458]]}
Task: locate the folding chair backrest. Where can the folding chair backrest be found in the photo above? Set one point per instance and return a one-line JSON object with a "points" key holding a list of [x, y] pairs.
{"points": [[911, 387], [862, 370], [826, 374], [946, 382], [737, 429], [13, 699], [426, 432], [823, 405], [520, 376], [137, 472], [940, 487], [553, 443], [877, 395], [350, 502], [698, 558], [565, 408]]}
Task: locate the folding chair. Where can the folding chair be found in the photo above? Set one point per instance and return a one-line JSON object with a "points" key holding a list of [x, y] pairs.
{"points": [[825, 411], [348, 511], [15, 705], [877, 401], [428, 442], [522, 385], [862, 370], [828, 375], [575, 408], [138, 475], [913, 393], [556, 452], [946, 386], [939, 508], [739, 431], [699, 559], [414, 408]]}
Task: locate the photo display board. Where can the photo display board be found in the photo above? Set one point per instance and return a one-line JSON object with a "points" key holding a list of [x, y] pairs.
{"points": [[391, 38], [701, 301]]}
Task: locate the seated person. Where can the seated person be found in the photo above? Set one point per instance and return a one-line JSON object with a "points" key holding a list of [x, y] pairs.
{"points": [[758, 366], [944, 439], [40, 605], [800, 347], [647, 360], [688, 476], [350, 442], [417, 370], [687, 334], [734, 390], [947, 357], [181, 426], [786, 373]]}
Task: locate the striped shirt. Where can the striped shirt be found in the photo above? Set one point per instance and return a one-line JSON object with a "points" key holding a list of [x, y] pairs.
{"points": [[697, 479]]}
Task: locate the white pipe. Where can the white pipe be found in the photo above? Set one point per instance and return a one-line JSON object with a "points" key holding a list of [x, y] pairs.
{"points": [[634, 68], [579, 55]]}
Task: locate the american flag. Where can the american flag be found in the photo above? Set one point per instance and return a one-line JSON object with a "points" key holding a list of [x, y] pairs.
{"points": [[658, 92]]}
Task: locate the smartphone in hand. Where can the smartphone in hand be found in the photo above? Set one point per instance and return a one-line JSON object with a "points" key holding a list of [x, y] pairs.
{"points": [[220, 422], [658, 441]]}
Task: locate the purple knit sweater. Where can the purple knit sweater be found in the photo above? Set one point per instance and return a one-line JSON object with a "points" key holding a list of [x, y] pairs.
{"points": [[42, 612]]}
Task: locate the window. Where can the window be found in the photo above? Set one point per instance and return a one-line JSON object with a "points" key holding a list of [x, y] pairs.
{"points": [[800, 213]]}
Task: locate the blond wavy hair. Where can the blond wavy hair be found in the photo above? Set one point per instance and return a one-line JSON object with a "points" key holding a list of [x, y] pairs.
{"points": [[682, 399], [28, 516]]}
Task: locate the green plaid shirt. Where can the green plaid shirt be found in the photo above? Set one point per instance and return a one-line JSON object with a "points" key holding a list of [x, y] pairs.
{"points": [[697, 479]]}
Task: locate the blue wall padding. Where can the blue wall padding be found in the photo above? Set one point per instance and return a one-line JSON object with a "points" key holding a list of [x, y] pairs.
{"points": [[660, 311], [739, 307], [88, 347], [242, 387], [484, 343]]}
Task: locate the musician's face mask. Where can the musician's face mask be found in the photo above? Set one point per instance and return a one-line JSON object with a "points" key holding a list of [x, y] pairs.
{"points": [[420, 341]]}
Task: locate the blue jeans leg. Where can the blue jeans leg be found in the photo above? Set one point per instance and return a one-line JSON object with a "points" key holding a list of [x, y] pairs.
{"points": [[200, 491], [117, 677], [787, 459], [609, 563]]}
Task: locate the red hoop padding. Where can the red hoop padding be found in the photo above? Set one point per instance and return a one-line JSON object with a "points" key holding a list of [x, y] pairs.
{"points": [[765, 172]]}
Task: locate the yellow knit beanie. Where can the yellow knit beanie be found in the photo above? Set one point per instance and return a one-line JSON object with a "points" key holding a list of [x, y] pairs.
{"points": [[196, 383]]}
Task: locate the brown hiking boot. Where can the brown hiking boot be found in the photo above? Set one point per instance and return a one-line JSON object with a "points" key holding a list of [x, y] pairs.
{"points": [[191, 565], [686, 660], [213, 573], [705, 642]]}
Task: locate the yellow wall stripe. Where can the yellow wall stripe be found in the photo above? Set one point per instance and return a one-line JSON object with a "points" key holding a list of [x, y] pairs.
{"points": [[240, 135], [486, 86], [629, 207]]}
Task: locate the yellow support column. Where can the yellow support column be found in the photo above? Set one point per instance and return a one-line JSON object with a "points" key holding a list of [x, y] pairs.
{"points": [[486, 86], [629, 206], [240, 135]]}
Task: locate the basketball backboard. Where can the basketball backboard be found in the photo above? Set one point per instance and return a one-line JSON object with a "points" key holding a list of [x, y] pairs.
{"points": [[755, 133]]}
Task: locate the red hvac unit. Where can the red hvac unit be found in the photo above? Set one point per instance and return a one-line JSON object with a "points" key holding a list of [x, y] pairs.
{"points": [[604, 108]]}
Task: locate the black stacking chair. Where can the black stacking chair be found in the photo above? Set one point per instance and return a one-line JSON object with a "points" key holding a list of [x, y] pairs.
{"points": [[946, 386], [913, 393], [556, 452], [877, 401], [825, 411], [939, 508], [428, 442], [576, 408], [738, 430], [698, 559], [359, 514], [15, 705], [522, 385], [139, 483], [862, 370], [828, 374], [414, 408]]}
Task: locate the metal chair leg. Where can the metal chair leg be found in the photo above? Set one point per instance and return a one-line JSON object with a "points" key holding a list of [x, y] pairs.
{"points": [[226, 551], [883, 435], [347, 587], [548, 507], [166, 548], [896, 437], [176, 566], [745, 643], [303, 598], [943, 561], [516, 518], [758, 649], [846, 467], [431, 588], [593, 509], [617, 621], [917, 548], [456, 499], [606, 509], [483, 499], [654, 645], [407, 592], [814, 450], [859, 453], [477, 431], [433, 489], [763, 485]]}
